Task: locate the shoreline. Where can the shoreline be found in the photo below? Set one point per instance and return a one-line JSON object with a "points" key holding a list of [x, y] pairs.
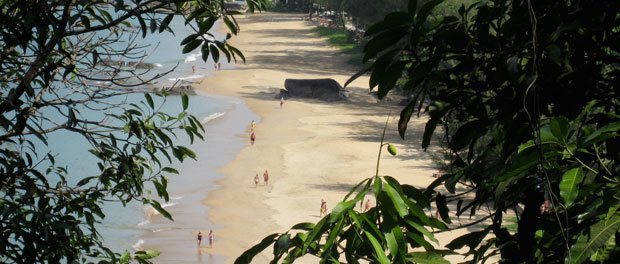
{"points": [[313, 150]]}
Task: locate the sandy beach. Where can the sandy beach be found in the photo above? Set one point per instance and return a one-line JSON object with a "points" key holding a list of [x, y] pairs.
{"points": [[312, 149]]}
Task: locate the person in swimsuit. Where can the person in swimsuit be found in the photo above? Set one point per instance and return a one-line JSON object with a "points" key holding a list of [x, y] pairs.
{"points": [[211, 238], [256, 180], [199, 238], [266, 177], [252, 138]]}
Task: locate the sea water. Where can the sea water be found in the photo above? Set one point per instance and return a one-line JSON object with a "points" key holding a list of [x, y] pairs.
{"points": [[133, 227]]}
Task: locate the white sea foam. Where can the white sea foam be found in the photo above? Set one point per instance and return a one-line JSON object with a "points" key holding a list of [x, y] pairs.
{"points": [[137, 245], [192, 57], [145, 222], [157, 230], [213, 116], [176, 197], [190, 77], [158, 65]]}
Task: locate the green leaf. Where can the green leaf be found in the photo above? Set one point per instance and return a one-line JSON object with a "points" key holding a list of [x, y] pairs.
{"points": [[466, 133], [379, 252], [142, 26], [588, 243], [185, 101], [164, 24], [397, 199], [414, 194], [472, 240], [149, 100], [569, 186], [249, 254], [161, 210], [124, 259], [214, 53], [429, 129], [303, 226], [559, 127], [440, 201], [427, 257], [192, 45], [597, 135], [340, 208], [425, 10]]}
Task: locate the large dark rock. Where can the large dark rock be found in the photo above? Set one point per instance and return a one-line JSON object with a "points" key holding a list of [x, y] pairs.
{"points": [[323, 89]]}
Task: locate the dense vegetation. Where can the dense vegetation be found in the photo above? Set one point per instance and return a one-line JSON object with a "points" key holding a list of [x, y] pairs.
{"points": [[59, 59], [526, 95]]}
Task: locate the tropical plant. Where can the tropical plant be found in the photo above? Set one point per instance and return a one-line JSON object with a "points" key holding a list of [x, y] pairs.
{"points": [[59, 61], [526, 94]]}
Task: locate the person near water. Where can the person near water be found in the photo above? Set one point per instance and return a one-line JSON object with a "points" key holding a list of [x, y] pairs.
{"points": [[219, 65], [210, 238], [199, 238], [281, 102], [252, 138], [252, 125], [256, 180], [266, 177], [193, 68]]}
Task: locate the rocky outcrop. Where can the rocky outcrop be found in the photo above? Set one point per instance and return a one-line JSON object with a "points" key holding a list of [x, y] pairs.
{"points": [[322, 89], [181, 89]]}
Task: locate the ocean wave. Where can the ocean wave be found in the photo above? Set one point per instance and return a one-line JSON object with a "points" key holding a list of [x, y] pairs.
{"points": [[212, 117], [145, 222], [190, 77], [137, 245], [158, 65], [176, 197], [192, 57], [157, 230]]}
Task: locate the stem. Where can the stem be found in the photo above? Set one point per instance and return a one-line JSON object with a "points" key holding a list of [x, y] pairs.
{"points": [[381, 146]]}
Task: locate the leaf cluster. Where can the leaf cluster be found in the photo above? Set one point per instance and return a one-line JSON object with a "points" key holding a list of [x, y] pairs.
{"points": [[525, 94], [71, 67]]}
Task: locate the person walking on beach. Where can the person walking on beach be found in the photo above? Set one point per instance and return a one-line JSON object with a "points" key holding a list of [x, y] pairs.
{"points": [[323, 207], [266, 177], [256, 180], [281, 102], [210, 238], [199, 238], [252, 138]]}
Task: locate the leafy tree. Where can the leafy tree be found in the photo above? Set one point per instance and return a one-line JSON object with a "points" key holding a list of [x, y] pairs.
{"points": [[526, 94], [60, 60]]}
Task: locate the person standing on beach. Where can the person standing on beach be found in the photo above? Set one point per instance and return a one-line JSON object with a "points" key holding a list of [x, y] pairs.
{"points": [[210, 238], [199, 238], [281, 102], [252, 126], [266, 177], [256, 180], [193, 68], [252, 138], [323, 206]]}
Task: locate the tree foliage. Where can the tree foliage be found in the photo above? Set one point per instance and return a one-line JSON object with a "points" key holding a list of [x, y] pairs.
{"points": [[61, 60], [526, 95]]}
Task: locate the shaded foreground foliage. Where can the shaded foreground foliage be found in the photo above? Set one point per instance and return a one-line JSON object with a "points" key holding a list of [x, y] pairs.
{"points": [[526, 95], [59, 63]]}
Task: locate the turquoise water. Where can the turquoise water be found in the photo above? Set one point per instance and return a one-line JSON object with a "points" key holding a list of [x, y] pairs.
{"points": [[136, 226]]}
